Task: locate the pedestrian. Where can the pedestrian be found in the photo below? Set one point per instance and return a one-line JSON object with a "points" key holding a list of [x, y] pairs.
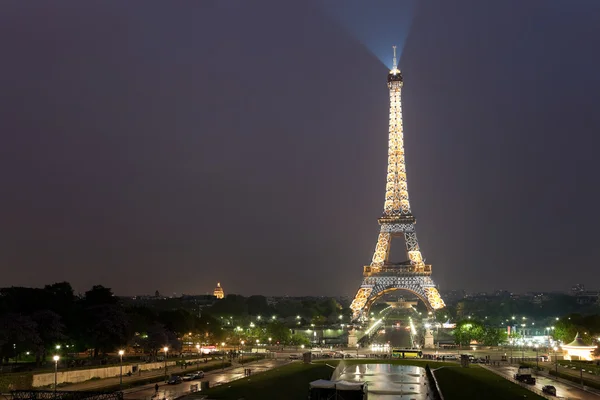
{"points": [[156, 388]]}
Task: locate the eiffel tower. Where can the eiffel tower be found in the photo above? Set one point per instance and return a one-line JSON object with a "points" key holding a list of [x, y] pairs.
{"points": [[382, 276]]}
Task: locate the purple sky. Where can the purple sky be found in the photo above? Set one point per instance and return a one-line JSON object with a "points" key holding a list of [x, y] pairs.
{"points": [[178, 144]]}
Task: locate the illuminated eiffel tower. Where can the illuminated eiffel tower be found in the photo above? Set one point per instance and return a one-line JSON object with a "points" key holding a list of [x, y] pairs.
{"points": [[382, 276]]}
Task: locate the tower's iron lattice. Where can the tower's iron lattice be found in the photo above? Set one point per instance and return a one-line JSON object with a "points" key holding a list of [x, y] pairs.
{"points": [[382, 276]]}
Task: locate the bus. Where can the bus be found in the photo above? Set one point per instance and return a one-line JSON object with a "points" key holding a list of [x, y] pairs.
{"points": [[406, 353]]}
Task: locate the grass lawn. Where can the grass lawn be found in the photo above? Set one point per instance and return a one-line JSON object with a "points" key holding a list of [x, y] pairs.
{"points": [[289, 382], [477, 383]]}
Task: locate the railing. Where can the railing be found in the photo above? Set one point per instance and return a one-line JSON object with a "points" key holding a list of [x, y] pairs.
{"points": [[62, 394], [397, 270]]}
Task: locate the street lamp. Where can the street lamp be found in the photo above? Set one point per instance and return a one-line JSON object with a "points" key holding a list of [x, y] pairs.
{"points": [[121, 352], [223, 359], [269, 341], [537, 358], [55, 358], [242, 352], [166, 350]]}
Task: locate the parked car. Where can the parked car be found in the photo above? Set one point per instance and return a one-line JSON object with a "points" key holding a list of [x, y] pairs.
{"points": [[294, 356], [199, 375], [175, 380], [189, 377], [549, 389]]}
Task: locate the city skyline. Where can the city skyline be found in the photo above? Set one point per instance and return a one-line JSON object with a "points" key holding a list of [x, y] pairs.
{"points": [[159, 155]]}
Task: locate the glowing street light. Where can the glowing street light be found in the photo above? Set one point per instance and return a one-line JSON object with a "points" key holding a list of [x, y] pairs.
{"points": [[55, 358], [166, 350], [121, 352], [223, 358]]}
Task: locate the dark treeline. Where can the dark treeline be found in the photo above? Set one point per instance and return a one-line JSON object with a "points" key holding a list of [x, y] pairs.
{"points": [[316, 310], [37, 320]]}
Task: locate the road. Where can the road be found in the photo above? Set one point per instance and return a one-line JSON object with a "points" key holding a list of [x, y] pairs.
{"points": [[563, 390], [214, 378], [395, 336], [107, 382]]}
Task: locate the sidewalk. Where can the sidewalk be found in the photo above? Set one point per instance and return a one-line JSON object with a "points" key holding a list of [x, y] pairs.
{"points": [[98, 384]]}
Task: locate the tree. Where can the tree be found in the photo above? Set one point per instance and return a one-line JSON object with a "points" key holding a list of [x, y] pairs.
{"points": [[104, 320], [278, 332], [297, 340], [177, 321], [154, 339], [466, 331], [49, 330], [493, 336], [232, 304], [107, 328], [99, 295], [257, 305], [17, 332]]}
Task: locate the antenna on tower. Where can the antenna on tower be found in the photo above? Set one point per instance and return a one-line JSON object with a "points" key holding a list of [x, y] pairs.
{"points": [[395, 63]]}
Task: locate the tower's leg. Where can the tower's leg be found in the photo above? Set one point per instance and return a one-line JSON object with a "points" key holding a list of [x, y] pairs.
{"points": [[360, 300]]}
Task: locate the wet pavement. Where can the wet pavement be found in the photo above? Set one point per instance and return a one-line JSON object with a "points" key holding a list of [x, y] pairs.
{"points": [[217, 377], [563, 390], [386, 381]]}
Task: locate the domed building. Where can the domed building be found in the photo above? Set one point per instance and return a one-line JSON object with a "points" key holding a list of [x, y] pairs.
{"points": [[218, 293]]}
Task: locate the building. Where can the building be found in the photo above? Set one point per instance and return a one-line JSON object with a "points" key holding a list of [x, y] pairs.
{"points": [[578, 350], [218, 293]]}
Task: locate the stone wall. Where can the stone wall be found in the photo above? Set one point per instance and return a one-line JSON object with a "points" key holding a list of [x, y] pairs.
{"points": [[82, 375]]}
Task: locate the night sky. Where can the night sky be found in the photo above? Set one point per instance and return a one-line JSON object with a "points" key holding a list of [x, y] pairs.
{"points": [[170, 145]]}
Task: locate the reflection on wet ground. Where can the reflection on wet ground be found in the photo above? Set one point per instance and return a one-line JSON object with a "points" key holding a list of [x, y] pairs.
{"points": [[386, 381]]}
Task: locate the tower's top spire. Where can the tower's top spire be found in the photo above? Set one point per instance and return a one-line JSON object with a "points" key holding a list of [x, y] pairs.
{"points": [[395, 75]]}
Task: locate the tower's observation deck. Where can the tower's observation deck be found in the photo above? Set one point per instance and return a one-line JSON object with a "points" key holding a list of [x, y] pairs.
{"points": [[395, 76], [382, 275]]}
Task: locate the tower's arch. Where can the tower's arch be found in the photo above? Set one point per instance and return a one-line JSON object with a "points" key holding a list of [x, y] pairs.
{"points": [[379, 295]]}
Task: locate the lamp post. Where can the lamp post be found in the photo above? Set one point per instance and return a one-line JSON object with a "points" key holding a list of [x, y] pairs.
{"points": [[166, 350], [55, 358], [121, 352], [242, 352], [511, 347], [223, 358], [537, 358]]}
